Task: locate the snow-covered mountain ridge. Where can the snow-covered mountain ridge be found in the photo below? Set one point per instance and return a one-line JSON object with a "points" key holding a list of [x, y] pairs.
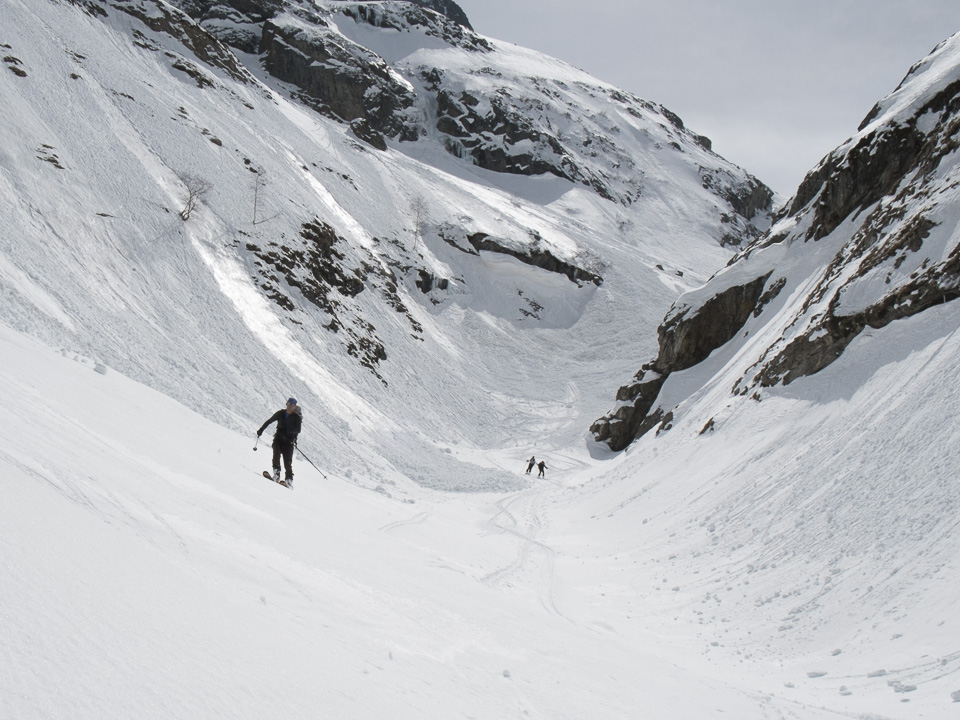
{"points": [[870, 237], [385, 67]]}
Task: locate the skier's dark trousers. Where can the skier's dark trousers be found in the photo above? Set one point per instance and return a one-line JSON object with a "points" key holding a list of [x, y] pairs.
{"points": [[289, 421]]}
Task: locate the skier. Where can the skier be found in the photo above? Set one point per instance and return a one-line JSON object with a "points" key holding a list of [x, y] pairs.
{"points": [[289, 421], [530, 463], [543, 466]]}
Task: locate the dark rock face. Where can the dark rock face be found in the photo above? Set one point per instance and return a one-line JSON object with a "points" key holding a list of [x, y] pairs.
{"points": [[538, 257], [255, 10], [447, 8], [238, 23], [898, 165], [686, 338], [633, 420], [748, 199], [341, 79], [90, 7], [427, 281], [362, 128], [507, 133], [489, 137], [537, 126], [314, 266], [850, 181], [205, 47], [421, 15], [317, 268], [826, 340], [857, 179]]}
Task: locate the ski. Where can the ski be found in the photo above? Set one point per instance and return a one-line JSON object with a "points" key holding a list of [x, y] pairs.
{"points": [[269, 477]]}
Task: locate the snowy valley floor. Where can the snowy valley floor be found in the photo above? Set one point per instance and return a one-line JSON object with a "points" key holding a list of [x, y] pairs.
{"points": [[149, 571]]}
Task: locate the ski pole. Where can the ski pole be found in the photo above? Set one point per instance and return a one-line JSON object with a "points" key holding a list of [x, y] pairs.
{"points": [[255, 443], [311, 462]]}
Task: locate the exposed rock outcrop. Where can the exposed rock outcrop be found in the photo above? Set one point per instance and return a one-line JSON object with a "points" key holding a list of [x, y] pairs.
{"points": [[338, 78], [447, 8], [420, 16], [687, 337], [545, 128], [494, 135], [316, 268], [536, 256], [238, 23], [204, 46]]}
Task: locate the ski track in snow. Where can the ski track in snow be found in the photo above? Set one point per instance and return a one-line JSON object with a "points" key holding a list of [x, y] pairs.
{"points": [[417, 519], [519, 515]]}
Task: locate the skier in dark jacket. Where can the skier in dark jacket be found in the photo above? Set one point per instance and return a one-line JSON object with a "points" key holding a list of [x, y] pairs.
{"points": [[289, 420], [542, 466]]}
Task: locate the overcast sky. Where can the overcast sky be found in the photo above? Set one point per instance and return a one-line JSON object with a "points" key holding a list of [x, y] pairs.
{"points": [[775, 84]]}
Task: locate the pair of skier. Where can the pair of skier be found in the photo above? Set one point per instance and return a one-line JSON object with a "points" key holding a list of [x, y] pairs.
{"points": [[289, 421], [540, 465]]}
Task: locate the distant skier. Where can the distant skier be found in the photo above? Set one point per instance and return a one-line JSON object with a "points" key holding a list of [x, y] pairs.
{"points": [[530, 463], [289, 422], [543, 466]]}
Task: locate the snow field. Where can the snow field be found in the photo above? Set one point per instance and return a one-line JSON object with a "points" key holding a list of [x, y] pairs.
{"points": [[151, 571], [147, 558]]}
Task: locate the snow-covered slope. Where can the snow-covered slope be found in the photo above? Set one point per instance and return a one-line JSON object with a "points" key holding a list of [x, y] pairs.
{"points": [[808, 541], [409, 297], [798, 562], [440, 319], [783, 567]]}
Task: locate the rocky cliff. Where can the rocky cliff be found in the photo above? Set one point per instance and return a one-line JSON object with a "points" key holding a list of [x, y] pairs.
{"points": [[870, 237]]}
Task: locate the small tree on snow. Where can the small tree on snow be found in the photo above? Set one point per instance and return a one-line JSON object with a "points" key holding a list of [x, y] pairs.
{"points": [[197, 190], [260, 181], [421, 216]]}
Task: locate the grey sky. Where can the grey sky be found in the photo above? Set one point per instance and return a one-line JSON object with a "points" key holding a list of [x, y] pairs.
{"points": [[775, 84]]}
